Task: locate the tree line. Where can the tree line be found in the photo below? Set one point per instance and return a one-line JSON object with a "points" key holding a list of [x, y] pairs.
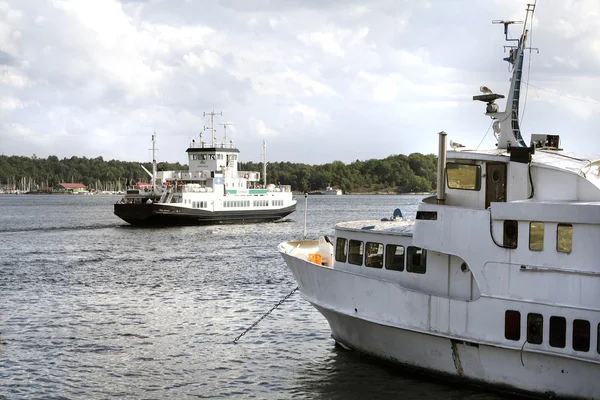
{"points": [[394, 174]]}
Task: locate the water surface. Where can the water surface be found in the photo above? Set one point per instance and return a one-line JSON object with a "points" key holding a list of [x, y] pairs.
{"points": [[92, 308]]}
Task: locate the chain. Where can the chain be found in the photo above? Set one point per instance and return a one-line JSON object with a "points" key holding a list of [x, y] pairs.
{"points": [[267, 313]]}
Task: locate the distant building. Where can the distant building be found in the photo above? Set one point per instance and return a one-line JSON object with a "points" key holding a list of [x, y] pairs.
{"points": [[70, 188], [143, 185], [44, 189]]}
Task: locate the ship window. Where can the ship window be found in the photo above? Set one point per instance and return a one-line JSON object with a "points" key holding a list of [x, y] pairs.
{"points": [[598, 340], [558, 332], [511, 234], [536, 236], [512, 325], [416, 261], [340, 250], [394, 257], [564, 238], [355, 252], [463, 176], [581, 335], [374, 255], [535, 328]]}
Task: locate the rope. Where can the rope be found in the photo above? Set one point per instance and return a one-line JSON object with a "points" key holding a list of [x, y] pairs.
{"points": [[486, 132], [264, 315]]}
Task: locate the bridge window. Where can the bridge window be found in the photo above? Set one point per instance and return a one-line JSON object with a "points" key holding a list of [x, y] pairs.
{"points": [[463, 176], [374, 255], [564, 238], [416, 261], [394, 257], [581, 335], [535, 328], [558, 332], [512, 325], [536, 236], [340, 250], [355, 252], [511, 234]]}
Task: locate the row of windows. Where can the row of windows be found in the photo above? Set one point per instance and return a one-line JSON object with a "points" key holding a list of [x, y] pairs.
{"points": [[564, 236], [375, 257], [197, 204], [255, 203], [236, 203], [213, 157], [580, 338]]}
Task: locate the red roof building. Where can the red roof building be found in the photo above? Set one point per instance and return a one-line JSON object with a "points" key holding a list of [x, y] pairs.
{"points": [[70, 187]]}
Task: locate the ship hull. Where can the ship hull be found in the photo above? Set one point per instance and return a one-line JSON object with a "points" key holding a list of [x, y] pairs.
{"points": [[406, 341], [165, 215]]}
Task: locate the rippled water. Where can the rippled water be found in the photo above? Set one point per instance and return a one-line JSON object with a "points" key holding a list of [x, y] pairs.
{"points": [[92, 308]]}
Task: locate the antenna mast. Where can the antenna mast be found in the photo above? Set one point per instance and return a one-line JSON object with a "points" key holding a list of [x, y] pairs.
{"points": [[225, 125], [506, 123], [212, 125], [265, 162], [154, 162]]}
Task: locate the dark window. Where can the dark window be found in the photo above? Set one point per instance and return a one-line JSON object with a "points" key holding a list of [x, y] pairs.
{"points": [[374, 255], [355, 252], [416, 261], [536, 236], [394, 257], [463, 176], [512, 325], [340, 250], [581, 335], [598, 336], [535, 328], [558, 332], [564, 238], [511, 234], [430, 215]]}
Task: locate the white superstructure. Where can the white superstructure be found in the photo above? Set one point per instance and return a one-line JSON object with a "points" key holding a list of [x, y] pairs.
{"points": [[497, 279]]}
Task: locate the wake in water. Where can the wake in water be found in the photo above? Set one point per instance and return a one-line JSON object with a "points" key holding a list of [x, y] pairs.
{"points": [[59, 228]]}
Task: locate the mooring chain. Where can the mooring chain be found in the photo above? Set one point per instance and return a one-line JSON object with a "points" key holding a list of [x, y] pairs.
{"points": [[267, 313]]}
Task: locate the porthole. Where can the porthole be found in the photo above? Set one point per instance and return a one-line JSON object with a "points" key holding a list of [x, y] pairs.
{"points": [[496, 176]]}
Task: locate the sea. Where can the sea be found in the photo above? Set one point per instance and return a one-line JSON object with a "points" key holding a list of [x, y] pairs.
{"points": [[92, 308]]}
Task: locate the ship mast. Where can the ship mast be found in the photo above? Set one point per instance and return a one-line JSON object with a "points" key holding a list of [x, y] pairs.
{"points": [[212, 126], [225, 125], [154, 162], [265, 162], [506, 123]]}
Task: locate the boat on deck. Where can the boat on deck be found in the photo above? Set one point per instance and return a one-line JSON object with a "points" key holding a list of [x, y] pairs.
{"points": [[211, 191], [495, 281]]}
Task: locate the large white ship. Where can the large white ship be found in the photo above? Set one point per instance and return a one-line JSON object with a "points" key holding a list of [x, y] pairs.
{"points": [[496, 281], [211, 191]]}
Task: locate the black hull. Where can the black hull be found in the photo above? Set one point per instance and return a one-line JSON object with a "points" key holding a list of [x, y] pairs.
{"points": [[165, 215]]}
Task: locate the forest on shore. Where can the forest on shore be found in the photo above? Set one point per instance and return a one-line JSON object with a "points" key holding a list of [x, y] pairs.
{"points": [[394, 174]]}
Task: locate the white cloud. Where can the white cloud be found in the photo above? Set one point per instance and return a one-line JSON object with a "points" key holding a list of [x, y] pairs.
{"points": [[259, 127], [280, 69], [308, 115]]}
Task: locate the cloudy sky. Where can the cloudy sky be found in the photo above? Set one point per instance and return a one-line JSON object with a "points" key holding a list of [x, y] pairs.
{"points": [[318, 80]]}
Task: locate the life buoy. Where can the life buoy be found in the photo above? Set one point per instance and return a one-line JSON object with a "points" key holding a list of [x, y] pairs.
{"points": [[247, 176]]}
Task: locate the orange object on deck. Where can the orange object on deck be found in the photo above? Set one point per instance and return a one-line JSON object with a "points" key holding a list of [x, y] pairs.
{"points": [[315, 258]]}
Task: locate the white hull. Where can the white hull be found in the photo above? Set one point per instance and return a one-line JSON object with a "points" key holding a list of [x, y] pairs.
{"points": [[357, 322]]}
